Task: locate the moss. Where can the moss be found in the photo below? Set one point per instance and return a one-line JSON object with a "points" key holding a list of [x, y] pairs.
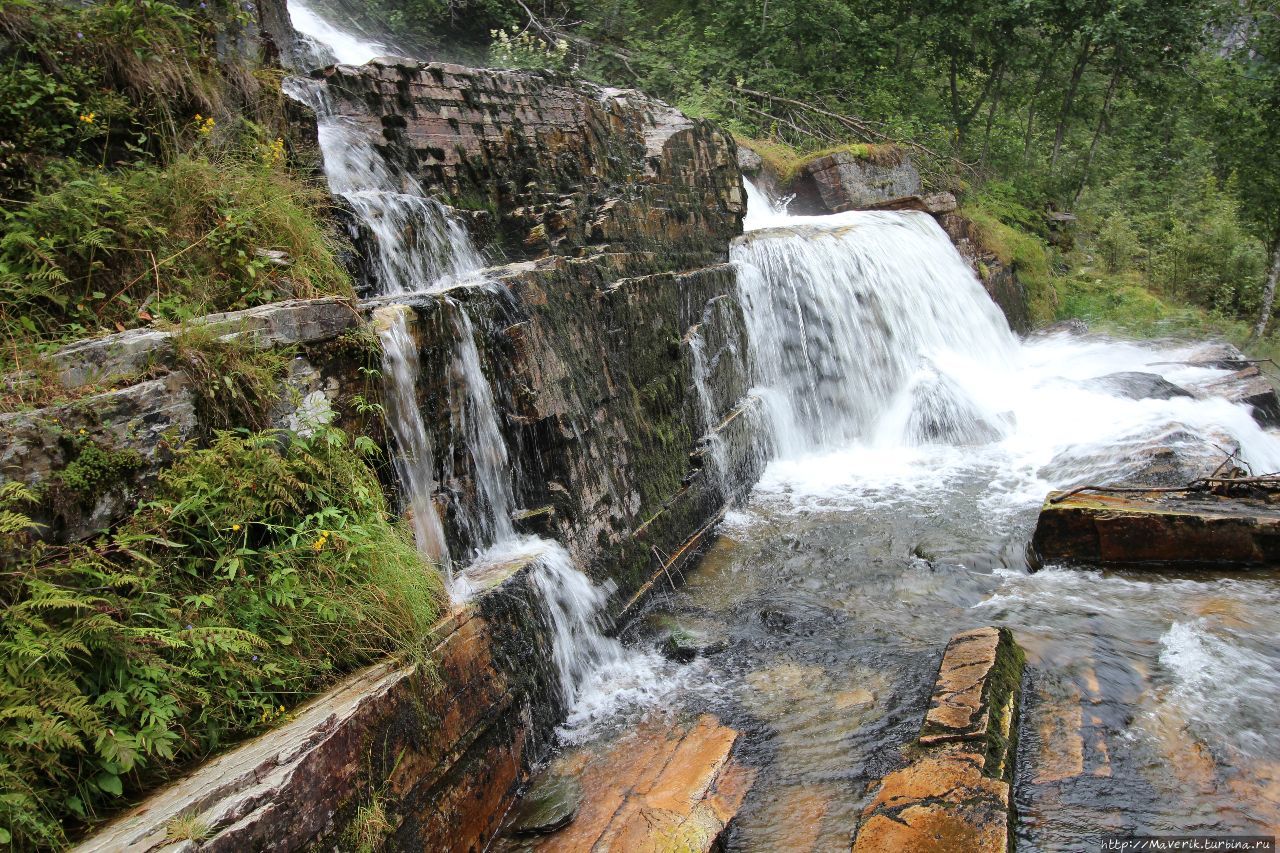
{"points": [[1026, 254], [96, 469], [786, 162], [1004, 686]]}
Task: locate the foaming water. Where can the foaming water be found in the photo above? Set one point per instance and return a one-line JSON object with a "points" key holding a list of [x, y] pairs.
{"points": [[335, 43], [414, 246], [915, 440]]}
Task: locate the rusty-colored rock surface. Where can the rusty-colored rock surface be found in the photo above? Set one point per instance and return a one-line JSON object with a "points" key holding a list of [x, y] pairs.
{"points": [[1186, 529], [956, 793], [667, 787], [446, 750]]}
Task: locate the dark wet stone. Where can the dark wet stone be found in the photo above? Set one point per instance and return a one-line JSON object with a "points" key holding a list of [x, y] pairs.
{"points": [[1137, 385], [549, 805], [685, 644]]}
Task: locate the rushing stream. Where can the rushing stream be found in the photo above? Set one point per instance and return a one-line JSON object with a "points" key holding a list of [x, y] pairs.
{"points": [[916, 438]]}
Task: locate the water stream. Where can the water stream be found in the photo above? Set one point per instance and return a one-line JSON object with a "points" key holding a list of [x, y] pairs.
{"points": [[413, 247], [916, 438]]}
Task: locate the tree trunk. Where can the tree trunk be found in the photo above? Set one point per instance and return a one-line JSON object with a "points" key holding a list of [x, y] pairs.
{"points": [[1069, 98], [1103, 119], [991, 117], [1268, 294]]}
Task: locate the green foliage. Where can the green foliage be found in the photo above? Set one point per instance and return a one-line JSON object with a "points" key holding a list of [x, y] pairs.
{"points": [[522, 49], [97, 249], [265, 566], [1026, 254], [235, 383]]}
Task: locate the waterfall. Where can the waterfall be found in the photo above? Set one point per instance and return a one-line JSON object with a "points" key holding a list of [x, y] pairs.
{"points": [[714, 450], [844, 311], [487, 518], [413, 461], [413, 247], [876, 352], [329, 43]]}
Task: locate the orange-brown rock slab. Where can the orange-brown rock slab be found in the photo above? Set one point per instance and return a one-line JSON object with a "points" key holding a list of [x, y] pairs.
{"points": [[663, 789]]}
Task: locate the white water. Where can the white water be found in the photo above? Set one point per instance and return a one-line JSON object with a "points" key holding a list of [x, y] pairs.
{"points": [[413, 459], [894, 382], [345, 46], [881, 358], [713, 443], [416, 247], [487, 518]]}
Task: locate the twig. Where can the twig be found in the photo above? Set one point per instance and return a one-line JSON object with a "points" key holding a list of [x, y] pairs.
{"points": [[1271, 481]]}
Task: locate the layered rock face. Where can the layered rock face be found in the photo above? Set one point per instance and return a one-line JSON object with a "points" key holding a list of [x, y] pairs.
{"points": [[614, 347], [563, 167], [621, 211]]}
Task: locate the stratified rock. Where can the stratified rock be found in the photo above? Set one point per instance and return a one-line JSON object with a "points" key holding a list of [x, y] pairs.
{"points": [[549, 804], [668, 787], [956, 793], [848, 182], [1183, 529], [132, 432], [1137, 385], [567, 166]]}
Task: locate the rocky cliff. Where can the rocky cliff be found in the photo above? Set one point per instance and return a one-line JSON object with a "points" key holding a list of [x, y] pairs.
{"points": [[609, 331]]}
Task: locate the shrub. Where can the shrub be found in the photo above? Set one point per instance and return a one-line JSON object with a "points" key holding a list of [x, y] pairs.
{"points": [[99, 249], [264, 567]]}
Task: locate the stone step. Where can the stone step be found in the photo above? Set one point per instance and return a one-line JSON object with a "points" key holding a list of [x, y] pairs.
{"points": [[1187, 529], [956, 794], [666, 786]]}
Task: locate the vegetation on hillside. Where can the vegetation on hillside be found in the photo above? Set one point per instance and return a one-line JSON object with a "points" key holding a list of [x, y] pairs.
{"points": [[264, 566], [141, 180], [1152, 121], [144, 180]]}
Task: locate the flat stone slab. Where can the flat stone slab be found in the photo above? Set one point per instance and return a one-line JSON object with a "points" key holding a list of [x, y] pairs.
{"points": [[956, 792], [666, 787], [1186, 529]]}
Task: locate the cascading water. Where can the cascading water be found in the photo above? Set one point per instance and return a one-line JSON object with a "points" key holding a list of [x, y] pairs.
{"points": [[916, 439], [330, 43], [415, 247], [843, 311], [487, 518]]}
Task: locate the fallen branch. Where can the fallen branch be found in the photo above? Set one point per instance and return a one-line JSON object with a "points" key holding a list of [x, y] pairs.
{"points": [[1269, 482]]}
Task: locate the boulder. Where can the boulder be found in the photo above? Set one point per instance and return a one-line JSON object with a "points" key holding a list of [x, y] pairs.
{"points": [[549, 804], [1137, 385], [1183, 529], [846, 181]]}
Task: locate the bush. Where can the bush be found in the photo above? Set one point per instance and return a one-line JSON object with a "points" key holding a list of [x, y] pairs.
{"points": [[112, 249], [265, 567]]}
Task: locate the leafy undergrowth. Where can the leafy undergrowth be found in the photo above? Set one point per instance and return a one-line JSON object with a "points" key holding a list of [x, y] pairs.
{"points": [[1126, 304], [264, 567], [141, 179]]}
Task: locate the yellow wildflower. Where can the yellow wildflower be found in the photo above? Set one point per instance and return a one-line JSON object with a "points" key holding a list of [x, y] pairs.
{"points": [[235, 527], [88, 118]]}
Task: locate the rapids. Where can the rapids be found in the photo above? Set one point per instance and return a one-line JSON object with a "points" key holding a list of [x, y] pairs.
{"points": [[915, 438]]}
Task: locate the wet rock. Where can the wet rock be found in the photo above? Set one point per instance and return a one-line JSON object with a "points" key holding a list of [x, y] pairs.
{"points": [[549, 804], [998, 278], [848, 182], [686, 643], [1137, 385], [1183, 529], [670, 786], [956, 794]]}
